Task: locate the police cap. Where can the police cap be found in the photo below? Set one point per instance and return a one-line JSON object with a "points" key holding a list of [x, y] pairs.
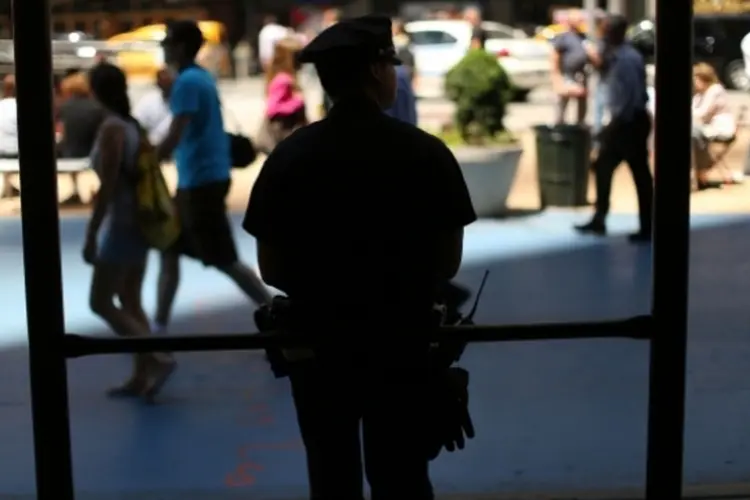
{"points": [[366, 38]]}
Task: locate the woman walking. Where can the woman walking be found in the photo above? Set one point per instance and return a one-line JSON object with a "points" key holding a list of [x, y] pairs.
{"points": [[114, 244], [285, 104]]}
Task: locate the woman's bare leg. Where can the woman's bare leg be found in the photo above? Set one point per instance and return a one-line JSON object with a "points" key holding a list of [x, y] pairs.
{"points": [[157, 367], [105, 285]]}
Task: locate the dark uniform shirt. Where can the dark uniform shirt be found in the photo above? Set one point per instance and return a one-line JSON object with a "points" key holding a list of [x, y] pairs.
{"points": [[356, 202], [354, 207], [626, 81]]}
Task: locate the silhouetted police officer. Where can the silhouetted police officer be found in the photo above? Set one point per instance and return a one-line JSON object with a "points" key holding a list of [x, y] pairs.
{"points": [[359, 219]]}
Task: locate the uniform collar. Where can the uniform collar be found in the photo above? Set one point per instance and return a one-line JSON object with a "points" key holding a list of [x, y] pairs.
{"points": [[358, 105]]}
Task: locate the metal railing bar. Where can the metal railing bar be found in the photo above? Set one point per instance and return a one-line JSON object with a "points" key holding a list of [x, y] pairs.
{"points": [[637, 328]]}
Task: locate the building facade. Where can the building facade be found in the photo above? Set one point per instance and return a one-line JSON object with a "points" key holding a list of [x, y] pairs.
{"points": [[104, 18]]}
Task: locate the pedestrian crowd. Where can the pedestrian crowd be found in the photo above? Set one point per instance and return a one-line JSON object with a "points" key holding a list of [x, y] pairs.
{"points": [[397, 274], [624, 111], [389, 267]]}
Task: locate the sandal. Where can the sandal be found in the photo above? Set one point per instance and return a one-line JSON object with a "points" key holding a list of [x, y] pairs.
{"points": [[161, 372], [130, 389]]}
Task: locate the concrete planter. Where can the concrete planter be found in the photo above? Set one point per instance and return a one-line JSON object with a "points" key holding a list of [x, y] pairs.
{"points": [[489, 173]]}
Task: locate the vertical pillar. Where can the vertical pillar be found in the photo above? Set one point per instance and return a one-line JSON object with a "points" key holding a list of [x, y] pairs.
{"points": [[616, 7], [41, 250], [666, 415]]}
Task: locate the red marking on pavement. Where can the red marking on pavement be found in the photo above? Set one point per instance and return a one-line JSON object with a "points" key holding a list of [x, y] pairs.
{"points": [[243, 476], [254, 414]]}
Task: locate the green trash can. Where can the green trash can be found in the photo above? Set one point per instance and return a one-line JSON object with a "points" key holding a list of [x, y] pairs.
{"points": [[563, 161]]}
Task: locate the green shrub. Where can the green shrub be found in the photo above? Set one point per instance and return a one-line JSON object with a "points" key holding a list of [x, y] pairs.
{"points": [[481, 90]]}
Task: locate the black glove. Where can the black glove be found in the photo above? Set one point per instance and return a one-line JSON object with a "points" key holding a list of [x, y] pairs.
{"points": [[449, 421]]}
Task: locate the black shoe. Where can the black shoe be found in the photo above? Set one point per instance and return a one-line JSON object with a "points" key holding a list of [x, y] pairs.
{"points": [[594, 227], [640, 237]]}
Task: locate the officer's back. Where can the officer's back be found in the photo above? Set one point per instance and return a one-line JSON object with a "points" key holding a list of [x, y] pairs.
{"points": [[362, 195], [359, 220]]}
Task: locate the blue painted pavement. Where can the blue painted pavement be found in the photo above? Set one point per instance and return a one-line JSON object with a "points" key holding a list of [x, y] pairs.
{"points": [[550, 415]]}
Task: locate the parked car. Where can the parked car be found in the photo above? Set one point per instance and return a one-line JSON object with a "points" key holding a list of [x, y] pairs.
{"points": [[439, 44], [70, 52], [717, 40]]}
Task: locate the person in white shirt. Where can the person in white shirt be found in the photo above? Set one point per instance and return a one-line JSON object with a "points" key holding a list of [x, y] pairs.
{"points": [[8, 116], [8, 130], [712, 120], [152, 111], [269, 35], [745, 48]]}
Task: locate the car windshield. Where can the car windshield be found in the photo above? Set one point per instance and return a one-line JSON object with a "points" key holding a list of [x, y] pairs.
{"points": [[431, 37], [496, 34]]}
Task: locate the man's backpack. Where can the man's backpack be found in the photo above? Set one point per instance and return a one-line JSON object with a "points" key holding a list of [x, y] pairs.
{"points": [[155, 212]]}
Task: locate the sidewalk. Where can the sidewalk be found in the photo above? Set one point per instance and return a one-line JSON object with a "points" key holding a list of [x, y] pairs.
{"points": [[524, 195], [730, 199]]}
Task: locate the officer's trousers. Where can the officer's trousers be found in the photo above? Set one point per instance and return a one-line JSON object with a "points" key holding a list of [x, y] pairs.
{"points": [[386, 396]]}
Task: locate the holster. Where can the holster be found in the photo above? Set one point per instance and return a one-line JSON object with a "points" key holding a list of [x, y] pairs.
{"points": [[276, 317], [448, 420]]}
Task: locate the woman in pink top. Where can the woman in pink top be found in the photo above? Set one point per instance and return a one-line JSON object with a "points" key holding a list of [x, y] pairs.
{"points": [[712, 120], [285, 106]]}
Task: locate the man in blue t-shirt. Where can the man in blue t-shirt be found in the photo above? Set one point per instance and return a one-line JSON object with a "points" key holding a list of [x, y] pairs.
{"points": [[200, 147]]}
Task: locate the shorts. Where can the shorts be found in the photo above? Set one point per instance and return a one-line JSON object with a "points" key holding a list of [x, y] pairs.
{"points": [[206, 231]]}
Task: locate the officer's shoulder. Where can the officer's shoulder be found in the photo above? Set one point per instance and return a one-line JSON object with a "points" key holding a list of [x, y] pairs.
{"points": [[297, 144], [417, 137]]}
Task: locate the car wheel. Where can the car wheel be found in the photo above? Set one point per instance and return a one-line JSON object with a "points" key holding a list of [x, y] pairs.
{"points": [[736, 76], [520, 95]]}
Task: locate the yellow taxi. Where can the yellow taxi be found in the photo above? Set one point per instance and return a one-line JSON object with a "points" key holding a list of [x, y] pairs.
{"points": [[139, 52]]}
